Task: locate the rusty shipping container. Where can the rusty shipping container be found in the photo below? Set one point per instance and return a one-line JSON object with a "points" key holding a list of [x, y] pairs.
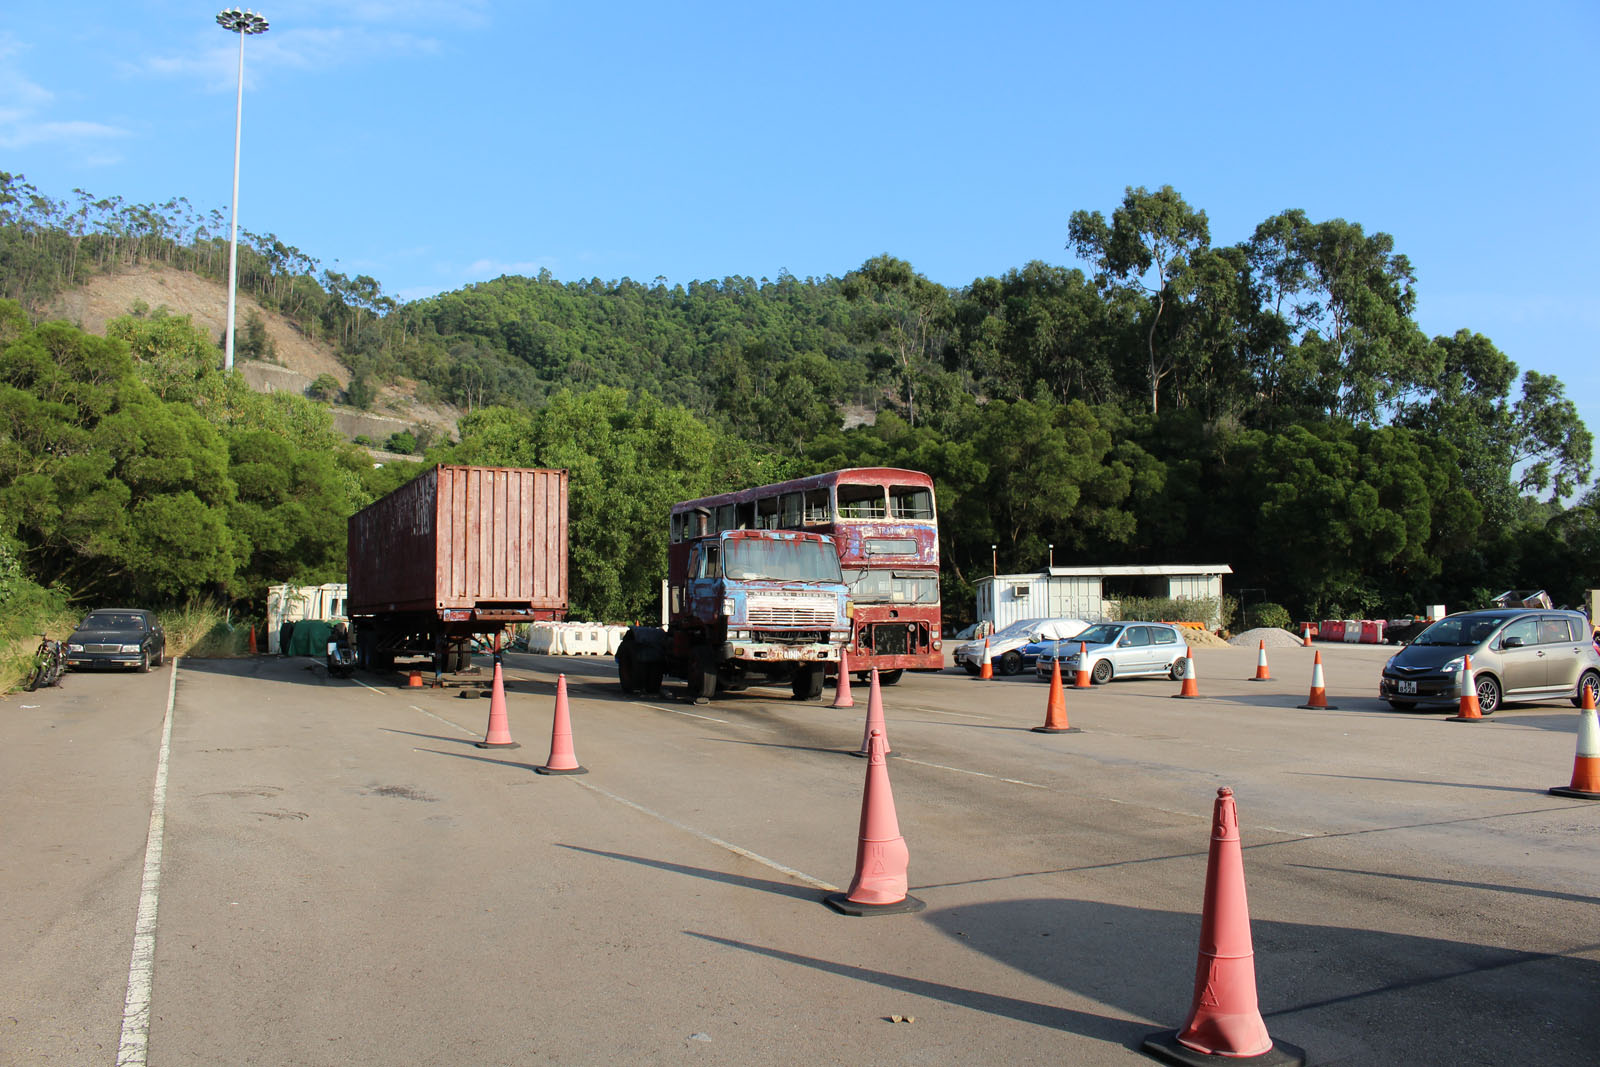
{"points": [[466, 544]]}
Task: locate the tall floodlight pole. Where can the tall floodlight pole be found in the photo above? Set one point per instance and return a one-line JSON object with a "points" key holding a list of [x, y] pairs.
{"points": [[243, 23]]}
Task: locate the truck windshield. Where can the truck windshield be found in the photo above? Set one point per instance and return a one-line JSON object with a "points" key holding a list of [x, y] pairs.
{"points": [[783, 560]]}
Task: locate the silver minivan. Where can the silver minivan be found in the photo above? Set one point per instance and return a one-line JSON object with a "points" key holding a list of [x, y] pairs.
{"points": [[1518, 654], [1120, 650]]}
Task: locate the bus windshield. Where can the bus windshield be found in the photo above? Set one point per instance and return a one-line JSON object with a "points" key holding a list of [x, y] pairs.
{"points": [[891, 587], [785, 561]]}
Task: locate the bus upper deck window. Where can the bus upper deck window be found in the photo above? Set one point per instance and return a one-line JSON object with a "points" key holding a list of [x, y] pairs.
{"points": [[910, 502], [767, 513], [861, 502], [817, 508], [790, 516]]}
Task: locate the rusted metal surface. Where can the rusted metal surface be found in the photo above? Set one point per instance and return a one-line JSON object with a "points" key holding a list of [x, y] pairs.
{"points": [[485, 543]]}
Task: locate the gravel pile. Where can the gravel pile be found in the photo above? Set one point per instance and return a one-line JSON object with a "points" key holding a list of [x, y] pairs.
{"points": [[1200, 638], [1272, 635]]}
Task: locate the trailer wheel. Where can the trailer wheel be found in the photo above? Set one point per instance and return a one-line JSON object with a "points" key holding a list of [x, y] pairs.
{"points": [[626, 676], [808, 682]]}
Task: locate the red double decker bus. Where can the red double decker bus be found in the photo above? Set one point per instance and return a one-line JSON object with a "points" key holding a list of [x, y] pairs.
{"points": [[883, 521]]}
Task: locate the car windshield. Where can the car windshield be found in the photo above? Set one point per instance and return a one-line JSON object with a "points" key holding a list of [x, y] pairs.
{"points": [[109, 620], [1103, 634], [1460, 633], [1018, 629]]}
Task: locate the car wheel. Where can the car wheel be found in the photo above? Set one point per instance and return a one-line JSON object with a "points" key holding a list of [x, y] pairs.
{"points": [[1177, 670], [144, 663], [1101, 673], [1488, 694], [1010, 663], [1591, 682], [972, 669], [890, 677], [161, 657], [1402, 705]]}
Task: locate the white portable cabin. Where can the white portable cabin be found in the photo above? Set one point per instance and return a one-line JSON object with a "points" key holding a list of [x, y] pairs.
{"points": [[1080, 592], [296, 603]]}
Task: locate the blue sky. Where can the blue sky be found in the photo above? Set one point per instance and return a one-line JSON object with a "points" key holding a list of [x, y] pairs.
{"points": [[432, 144]]}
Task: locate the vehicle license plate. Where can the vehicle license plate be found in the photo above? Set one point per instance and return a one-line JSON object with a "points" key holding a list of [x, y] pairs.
{"points": [[1407, 687]]}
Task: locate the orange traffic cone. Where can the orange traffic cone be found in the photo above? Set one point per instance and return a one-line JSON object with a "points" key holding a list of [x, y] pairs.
{"points": [[1586, 765], [1055, 710], [499, 733], [1318, 699], [842, 697], [986, 672], [1224, 1019], [562, 758], [1261, 665], [252, 639], [1191, 681], [1080, 677], [879, 885], [414, 681], [1306, 642], [1468, 710], [874, 720]]}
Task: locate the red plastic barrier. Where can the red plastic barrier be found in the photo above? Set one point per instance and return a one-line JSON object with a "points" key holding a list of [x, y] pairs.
{"points": [[1331, 630], [1372, 632]]}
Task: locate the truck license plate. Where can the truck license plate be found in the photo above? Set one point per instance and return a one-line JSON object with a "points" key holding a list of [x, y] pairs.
{"points": [[1407, 687]]}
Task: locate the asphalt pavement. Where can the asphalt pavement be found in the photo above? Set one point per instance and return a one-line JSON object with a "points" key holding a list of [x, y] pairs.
{"points": [[345, 877]]}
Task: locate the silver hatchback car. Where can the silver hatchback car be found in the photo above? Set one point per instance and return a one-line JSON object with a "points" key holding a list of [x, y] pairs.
{"points": [[1518, 654], [1120, 650]]}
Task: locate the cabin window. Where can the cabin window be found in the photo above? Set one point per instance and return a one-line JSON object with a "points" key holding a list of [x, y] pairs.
{"points": [[790, 513], [817, 511], [767, 513]]}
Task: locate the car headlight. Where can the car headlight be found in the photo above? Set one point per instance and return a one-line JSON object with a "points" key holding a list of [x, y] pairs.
{"points": [[1390, 662], [128, 648], [1454, 666], [74, 648]]}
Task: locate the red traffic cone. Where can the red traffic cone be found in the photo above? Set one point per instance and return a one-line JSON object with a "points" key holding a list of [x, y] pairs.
{"points": [[1055, 709], [879, 885], [986, 672], [1586, 765], [499, 733], [875, 723], [1468, 710], [1318, 699], [1261, 665], [1191, 681], [842, 697], [1224, 1019], [562, 758], [1080, 677]]}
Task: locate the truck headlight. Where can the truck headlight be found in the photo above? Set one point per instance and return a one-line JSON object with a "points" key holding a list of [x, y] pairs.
{"points": [[728, 607]]}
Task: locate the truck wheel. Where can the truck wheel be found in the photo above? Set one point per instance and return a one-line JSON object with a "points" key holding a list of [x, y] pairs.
{"points": [[890, 677], [626, 669], [649, 680], [702, 680], [808, 682]]}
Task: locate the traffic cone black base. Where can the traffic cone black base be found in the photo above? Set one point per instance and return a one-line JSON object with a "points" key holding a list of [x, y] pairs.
{"points": [[842, 904], [1580, 794], [1460, 718], [1164, 1046], [1056, 729], [569, 770]]}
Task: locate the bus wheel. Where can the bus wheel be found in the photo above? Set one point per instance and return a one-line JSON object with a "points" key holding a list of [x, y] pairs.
{"points": [[808, 682], [890, 677]]}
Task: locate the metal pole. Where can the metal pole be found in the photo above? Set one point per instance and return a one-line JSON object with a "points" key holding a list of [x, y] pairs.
{"points": [[233, 219]]}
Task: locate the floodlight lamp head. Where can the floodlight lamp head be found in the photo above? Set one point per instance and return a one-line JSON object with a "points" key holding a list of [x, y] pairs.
{"points": [[243, 22]]}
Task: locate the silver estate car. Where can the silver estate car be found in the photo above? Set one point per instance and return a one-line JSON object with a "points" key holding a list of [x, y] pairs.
{"points": [[1120, 650], [1518, 654]]}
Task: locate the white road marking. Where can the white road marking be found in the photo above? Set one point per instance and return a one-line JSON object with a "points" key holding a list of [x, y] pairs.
{"points": [[447, 722], [134, 1045], [709, 839], [688, 714], [963, 770]]}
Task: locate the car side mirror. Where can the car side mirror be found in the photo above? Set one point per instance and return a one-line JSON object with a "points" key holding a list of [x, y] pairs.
{"points": [[1511, 642]]}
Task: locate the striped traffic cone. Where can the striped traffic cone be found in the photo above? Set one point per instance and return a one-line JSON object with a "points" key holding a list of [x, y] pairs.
{"points": [[1191, 680], [1080, 677], [1468, 710], [1318, 700], [1586, 765], [1306, 640], [1261, 665], [986, 672]]}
